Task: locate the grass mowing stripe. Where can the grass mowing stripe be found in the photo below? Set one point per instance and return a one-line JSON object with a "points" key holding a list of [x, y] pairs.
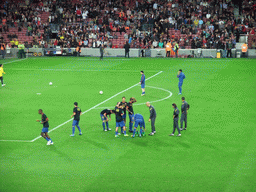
{"points": [[97, 105]]}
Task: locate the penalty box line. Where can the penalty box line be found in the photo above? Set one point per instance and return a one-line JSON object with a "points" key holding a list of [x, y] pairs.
{"points": [[96, 105]]}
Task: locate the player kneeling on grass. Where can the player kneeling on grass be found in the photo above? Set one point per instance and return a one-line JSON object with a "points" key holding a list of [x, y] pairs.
{"points": [[45, 123], [139, 121], [119, 119], [104, 118]]}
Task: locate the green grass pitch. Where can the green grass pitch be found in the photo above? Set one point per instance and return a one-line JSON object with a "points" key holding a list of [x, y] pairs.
{"points": [[216, 153]]}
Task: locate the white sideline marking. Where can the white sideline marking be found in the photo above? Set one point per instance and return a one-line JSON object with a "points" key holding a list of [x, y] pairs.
{"points": [[14, 61], [16, 140], [97, 105], [170, 94], [113, 59]]}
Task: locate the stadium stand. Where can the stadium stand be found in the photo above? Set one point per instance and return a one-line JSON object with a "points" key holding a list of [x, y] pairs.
{"points": [[144, 24]]}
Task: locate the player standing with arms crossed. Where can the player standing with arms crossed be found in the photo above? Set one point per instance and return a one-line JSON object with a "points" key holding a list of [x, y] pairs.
{"points": [[142, 82], [76, 114], [181, 76], [44, 120], [1, 74], [129, 108], [184, 112]]}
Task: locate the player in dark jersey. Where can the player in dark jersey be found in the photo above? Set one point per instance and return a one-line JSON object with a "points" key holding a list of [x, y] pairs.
{"points": [[44, 120], [123, 104], [76, 114], [129, 108], [119, 119], [103, 115]]}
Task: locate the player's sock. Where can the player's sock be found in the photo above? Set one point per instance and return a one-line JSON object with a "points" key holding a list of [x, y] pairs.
{"points": [[143, 92], [134, 131], [50, 139], [125, 132], [180, 89], [78, 128], [107, 125], [140, 131], [47, 138], [103, 124], [73, 130], [116, 132], [121, 130]]}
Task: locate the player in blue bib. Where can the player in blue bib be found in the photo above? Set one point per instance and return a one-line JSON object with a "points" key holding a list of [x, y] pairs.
{"points": [[142, 83], [139, 121], [181, 76]]}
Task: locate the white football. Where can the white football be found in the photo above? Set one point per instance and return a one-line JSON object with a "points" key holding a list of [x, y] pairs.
{"points": [[101, 92], [50, 83]]}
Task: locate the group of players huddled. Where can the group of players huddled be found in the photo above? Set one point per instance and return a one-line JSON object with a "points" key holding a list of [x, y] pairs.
{"points": [[121, 110]]}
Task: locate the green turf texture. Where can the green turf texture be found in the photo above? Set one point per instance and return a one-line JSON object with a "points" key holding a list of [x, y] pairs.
{"points": [[216, 153]]}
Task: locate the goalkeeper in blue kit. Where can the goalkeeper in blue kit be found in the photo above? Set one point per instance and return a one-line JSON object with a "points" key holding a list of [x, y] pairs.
{"points": [[139, 121]]}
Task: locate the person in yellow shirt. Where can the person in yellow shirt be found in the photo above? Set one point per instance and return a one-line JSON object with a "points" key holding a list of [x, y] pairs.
{"points": [[16, 43], [1, 74]]}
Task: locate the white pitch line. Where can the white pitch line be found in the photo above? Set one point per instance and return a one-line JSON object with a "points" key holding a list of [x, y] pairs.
{"points": [[16, 140], [112, 59], [97, 105], [170, 94], [14, 61]]}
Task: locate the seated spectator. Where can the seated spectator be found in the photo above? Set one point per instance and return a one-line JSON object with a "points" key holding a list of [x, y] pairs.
{"points": [[125, 36], [86, 43], [252, 32]]}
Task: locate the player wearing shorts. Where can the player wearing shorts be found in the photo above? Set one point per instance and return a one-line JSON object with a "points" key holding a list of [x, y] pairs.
{"points": [[104, 118], [76, 114], [44, 120], [119, 119], [123, 104], [139, 121], [129, 108]]}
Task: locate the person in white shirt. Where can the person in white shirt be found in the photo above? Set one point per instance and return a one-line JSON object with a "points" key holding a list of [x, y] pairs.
{"points": [[154, 44], [155, 6]]}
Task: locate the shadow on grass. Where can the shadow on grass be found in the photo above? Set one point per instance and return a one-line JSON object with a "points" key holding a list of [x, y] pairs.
{"points": [[60, 153], [96, 144]]}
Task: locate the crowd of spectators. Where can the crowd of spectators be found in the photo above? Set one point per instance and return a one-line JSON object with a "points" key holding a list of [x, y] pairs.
{"points": [[143, 23]]}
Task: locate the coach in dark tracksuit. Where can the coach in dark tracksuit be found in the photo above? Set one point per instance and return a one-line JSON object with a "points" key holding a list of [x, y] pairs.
{"points": [[184, 112], [175, 120], [152, 118]]}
